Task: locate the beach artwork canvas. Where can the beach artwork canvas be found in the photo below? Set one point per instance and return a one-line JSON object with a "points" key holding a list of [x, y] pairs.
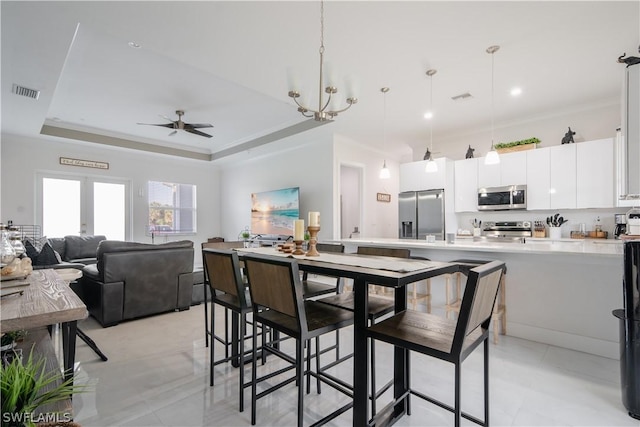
{"points": [[273, 212]]}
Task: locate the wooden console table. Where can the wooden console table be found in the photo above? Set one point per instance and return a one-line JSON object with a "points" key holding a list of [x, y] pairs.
{"points": [[47, 300]]}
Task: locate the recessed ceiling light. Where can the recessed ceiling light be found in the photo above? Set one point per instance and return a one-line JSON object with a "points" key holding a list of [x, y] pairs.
{"points": [[516, 91], [134, 45], [428, 115]]}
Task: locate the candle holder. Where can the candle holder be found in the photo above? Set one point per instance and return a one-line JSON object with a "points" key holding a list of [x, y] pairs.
{"points": [[313, 239], [298, 250]]}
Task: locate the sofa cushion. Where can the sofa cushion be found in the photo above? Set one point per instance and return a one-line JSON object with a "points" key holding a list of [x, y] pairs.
{"points": [[107, 246], [80, 247], [59, 244]]}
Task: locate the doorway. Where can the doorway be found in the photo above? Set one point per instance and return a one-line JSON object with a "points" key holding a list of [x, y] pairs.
{"points": [[82, 205], [350, 201]]}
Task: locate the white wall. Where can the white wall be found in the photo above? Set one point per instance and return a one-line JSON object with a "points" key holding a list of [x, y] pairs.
{"points": [[380, 219], [350, 198], [22, 157], [590, 123], [304, 160]]}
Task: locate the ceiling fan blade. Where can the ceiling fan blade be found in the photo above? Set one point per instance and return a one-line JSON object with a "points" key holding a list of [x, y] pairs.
{"points": [[165, 117], [173, 133], [197, 132], [164, 125], [198, 125]]}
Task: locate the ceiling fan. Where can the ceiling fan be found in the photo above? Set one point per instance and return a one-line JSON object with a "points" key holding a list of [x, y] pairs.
{"points": [[180, 125]]}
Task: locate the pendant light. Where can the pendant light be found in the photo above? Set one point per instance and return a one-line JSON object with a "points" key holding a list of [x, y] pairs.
{"points": [[322, 114], [384, 172], [431, 166], [492, 157]]}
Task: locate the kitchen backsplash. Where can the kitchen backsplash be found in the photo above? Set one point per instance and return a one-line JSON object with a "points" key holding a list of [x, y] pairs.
{"points": [[575, 217]]}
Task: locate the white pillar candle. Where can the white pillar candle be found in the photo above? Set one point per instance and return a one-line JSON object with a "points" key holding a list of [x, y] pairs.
{"points": [[298, 229], [314, 219]]}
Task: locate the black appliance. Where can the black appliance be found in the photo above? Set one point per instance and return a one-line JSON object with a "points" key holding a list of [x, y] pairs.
{"points": [[621, 225], [502, 198], [629, 318]]}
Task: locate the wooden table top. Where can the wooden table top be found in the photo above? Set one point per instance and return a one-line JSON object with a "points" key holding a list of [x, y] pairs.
{"points": [[47, 300]]}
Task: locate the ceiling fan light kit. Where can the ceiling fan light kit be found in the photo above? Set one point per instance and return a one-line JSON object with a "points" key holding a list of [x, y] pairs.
{"points": [[321, 114], [179, 124]]}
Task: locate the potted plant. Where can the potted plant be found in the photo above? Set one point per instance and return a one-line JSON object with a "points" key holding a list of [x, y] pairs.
{"points": [[27, 385], [245, 234], [9, 339], [524, 144], [305, 244]]}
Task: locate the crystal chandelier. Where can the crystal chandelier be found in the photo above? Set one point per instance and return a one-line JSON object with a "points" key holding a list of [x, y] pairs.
{"points": [[431, 166], [384, 172], [492, 157], [321, 114]]}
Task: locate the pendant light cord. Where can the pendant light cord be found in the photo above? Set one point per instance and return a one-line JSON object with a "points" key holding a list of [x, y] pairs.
{"points": [[384, 119], [431, 108], [492, 96]]}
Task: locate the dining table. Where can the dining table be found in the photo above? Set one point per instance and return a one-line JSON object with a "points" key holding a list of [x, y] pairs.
{"points": [[390, 272]]}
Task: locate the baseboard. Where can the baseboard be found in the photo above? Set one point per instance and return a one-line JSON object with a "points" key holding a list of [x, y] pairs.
{"points": [[562, 339]]}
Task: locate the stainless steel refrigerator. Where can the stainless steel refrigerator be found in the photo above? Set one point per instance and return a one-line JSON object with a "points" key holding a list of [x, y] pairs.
{"points": [[421, 213]]}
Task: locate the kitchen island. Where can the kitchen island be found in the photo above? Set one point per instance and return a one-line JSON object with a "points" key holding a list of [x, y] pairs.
{"points": [[559, 292]]}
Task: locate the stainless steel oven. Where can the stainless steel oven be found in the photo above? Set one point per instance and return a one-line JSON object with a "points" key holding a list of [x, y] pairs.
{"points": [[509, 197], [515, 231]]}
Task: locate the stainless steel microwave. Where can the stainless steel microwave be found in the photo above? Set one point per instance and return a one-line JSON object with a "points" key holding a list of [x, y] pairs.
{"points": [[509, 197]]}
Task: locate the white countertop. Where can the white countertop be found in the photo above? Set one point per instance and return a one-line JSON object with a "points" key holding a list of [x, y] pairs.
{"points": [[603, 247]]}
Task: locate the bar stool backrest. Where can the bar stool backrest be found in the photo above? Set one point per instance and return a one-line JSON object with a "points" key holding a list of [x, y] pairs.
{"points": [[274, 283], [479, 297], [223, 245], [222, 268], [330, 247], [379, 251]]}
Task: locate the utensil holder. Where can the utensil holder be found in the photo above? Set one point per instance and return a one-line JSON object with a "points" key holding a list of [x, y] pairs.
{"points": [[555, 233]]}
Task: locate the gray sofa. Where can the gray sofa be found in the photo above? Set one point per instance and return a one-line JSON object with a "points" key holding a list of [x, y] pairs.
{"points": [[77, 249], [73, 251], [132, 280]]}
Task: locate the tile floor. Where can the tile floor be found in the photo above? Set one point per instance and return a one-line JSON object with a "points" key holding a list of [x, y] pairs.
{"points": [[158, 375]]}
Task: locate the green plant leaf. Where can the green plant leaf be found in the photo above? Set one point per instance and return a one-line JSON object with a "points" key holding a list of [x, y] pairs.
{"points": [[532, 140], [22, 384]]}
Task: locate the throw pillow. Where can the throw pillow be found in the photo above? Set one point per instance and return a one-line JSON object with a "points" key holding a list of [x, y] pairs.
{"points": [[37, 243], [45, 256], [30, 249]]}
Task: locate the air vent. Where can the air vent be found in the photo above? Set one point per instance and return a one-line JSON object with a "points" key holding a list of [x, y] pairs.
{"points": [[462, 96], [25, 91]]}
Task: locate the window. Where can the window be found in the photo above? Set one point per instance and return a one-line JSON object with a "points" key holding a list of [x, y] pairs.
{"points": [[172, 208]]}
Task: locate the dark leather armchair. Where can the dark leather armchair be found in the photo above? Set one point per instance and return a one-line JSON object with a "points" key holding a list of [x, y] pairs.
{"points": [[132, 280]]}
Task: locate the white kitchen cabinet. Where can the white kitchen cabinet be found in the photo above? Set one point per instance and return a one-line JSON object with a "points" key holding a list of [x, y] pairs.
{"points": [[488, 175], [538, 179], [466, 185], [562, 177], [595, 174], [414, 178], [513, 168], [411, 175]]}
